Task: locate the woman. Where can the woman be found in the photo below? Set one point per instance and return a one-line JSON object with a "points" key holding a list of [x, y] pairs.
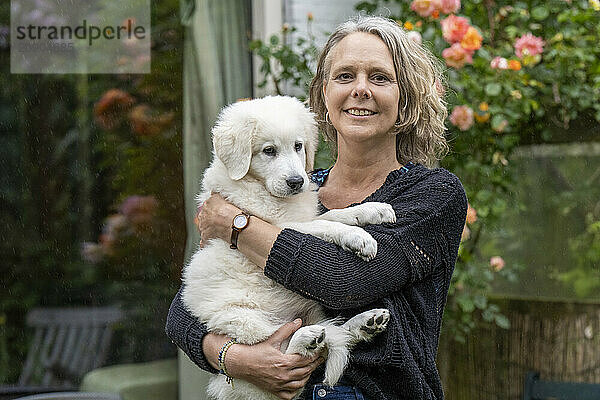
{"points": [[377, 96]]}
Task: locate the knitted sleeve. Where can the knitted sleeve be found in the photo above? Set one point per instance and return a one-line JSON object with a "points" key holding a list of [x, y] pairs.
{"points": [[430, 218], [187, 332]]}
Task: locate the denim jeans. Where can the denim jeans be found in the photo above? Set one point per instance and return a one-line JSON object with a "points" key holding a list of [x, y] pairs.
{"points": [[322, 392]]}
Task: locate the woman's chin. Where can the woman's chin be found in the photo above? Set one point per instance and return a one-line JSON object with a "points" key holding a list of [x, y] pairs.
{"points": [[362, 133]]}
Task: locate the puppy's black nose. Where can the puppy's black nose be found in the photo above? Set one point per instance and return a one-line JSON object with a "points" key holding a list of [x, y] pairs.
{"points": [[295, 182]]}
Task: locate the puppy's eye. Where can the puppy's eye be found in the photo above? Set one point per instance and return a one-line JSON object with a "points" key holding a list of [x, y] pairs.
{"points": [[269, 150], [298, 146]]}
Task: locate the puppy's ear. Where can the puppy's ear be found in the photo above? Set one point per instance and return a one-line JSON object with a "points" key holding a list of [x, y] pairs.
{"points": [[232, 140]]}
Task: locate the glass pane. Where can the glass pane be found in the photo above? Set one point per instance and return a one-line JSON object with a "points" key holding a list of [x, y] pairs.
{"points": [[91, 187], [553, 235]]}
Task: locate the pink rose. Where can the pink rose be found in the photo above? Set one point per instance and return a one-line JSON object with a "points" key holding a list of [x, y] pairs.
{"points": [[416, 36], [454, 28], [499, 63], [139, 209], [456, 56], [462, 117], [423, 7], [497, 263], [529, 45], [447, 6]]}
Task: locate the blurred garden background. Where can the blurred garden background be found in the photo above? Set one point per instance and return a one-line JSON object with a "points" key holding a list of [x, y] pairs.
{"points": [[96, 173]]}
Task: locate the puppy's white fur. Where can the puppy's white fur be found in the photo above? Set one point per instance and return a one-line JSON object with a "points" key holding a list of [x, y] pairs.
{"points": [[232, 295]]}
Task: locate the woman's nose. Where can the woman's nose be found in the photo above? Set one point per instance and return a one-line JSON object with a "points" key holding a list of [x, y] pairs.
{"points": [[361, 88]]}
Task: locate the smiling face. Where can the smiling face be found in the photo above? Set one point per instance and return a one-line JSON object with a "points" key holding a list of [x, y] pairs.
{"points": [[361, 91]]}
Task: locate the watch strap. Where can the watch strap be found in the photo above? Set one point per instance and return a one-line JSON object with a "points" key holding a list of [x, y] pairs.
{"points": [[234, 237]]}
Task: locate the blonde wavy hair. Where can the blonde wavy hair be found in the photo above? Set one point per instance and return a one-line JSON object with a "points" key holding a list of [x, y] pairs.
{"points": [[419, 128]]}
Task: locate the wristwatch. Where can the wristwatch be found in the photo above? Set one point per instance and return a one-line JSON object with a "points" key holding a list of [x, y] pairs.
{"points": [[239, 222]]}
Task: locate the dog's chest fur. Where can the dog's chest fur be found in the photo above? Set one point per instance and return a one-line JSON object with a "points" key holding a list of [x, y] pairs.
{"points": [[221, 284]]}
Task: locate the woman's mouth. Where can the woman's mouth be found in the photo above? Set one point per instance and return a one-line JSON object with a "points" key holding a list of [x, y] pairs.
{"points": [[359, 112]]}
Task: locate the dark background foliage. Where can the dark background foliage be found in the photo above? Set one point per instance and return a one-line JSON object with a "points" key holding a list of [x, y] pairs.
{"points": [[65, 169]]}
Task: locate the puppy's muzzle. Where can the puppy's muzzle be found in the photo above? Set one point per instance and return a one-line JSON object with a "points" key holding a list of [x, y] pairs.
{"points": [[295, 182]]}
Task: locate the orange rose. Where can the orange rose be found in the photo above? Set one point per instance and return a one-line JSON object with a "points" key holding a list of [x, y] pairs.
{"points": [[515, 65], [482, 118], [472, 39], [471, 215]]}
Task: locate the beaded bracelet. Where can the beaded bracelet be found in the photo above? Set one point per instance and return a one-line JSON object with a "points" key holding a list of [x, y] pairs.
{"points": [[222, 353]]}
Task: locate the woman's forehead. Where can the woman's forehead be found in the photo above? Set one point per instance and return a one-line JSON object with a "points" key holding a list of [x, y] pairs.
{"points": [[361, 48]]}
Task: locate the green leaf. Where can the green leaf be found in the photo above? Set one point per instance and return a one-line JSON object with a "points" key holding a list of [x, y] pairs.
{"points": [[502, 321], [540, 13], [466, 304], [497, 120], [480, 302], [483, 53], [274, 40], [493, 89]]}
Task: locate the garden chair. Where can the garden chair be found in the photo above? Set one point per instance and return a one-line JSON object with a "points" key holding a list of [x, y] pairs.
{"points": [[67, 343], [534, 389]]}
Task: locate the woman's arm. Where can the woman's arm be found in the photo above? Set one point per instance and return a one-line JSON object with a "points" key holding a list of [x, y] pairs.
{"points": [[255, 241], [187, 333], [262, 364], [424, 240], [430, 219]]}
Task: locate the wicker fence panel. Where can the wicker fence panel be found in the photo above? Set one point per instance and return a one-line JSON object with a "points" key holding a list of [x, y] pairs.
{"points": [[559, 339]]}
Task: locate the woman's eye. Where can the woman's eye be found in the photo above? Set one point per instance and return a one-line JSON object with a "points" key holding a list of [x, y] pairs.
{"points": [[380, 78], [344, 76], [298, 146], [270, 151]]}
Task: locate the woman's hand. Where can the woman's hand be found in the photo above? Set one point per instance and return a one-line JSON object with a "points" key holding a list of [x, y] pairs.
{"points": [[214, 218], [265, 366]]}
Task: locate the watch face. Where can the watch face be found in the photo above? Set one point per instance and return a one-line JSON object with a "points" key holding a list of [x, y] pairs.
{"points": [[240, 221]]}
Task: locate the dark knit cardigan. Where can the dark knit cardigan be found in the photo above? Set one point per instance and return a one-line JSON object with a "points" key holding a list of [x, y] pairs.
{"points": [[409, 276]]}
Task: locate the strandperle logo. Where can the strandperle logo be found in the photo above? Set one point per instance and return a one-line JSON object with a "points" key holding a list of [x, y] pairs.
{"points": [[80, 36], [83, 31]]}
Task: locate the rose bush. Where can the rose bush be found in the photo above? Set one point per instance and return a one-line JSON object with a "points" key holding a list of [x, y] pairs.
{"points": [[533, 69], [517, 73]]}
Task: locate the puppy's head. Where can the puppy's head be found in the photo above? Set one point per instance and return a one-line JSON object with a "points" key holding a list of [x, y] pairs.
{"points": [[274, 139]]}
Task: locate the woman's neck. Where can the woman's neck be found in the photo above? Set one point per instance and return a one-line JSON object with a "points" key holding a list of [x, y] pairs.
{"points": [[354, 177], [363, 168]]}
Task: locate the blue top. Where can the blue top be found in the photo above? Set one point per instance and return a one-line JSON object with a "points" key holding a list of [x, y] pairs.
{"points": [[319, 175]]}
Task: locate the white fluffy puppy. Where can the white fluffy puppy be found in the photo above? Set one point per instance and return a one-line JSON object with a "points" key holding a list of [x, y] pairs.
{"points": [[262, 150]]}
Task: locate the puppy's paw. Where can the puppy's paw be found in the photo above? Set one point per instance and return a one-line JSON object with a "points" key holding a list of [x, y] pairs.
{"points": [[368, 324], [307, 340], [361, 243], [374, 213]]}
